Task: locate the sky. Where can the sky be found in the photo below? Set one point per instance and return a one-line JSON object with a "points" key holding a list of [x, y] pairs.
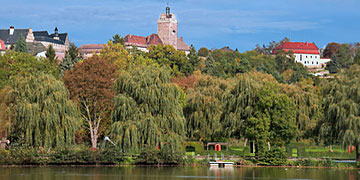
{"points": [[204, 23]]}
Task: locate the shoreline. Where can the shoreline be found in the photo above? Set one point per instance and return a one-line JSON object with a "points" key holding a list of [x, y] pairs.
{"points": [[164, 165]]}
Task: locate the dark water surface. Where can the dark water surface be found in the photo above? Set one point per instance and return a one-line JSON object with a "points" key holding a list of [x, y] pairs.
{"points": [[176, 173]]}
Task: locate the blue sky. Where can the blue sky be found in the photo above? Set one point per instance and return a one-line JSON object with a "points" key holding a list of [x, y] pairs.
{"points": [[205, 23]]}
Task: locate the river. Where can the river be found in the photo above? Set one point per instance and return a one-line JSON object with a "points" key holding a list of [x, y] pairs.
{"points": [[176, 173]]}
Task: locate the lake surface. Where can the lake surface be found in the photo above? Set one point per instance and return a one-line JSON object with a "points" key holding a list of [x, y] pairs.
{"points": [[176, 173]]}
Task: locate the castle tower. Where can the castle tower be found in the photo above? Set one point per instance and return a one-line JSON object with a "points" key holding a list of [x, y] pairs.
{"points": [[167, 28]]}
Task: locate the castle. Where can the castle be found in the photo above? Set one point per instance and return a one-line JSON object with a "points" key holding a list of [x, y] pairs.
{"points": [[167, 34]]}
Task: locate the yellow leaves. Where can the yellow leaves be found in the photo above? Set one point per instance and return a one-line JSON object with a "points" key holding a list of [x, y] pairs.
{"points": [[118, 55]]}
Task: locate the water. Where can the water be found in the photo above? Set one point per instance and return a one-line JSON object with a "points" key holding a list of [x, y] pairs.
{"points": [[176, 173]]}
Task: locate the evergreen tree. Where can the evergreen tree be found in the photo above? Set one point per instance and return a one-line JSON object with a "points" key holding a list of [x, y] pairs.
{"points": [[50, 54], [357, 56], [72, 56], [193, 62], [117, 39], [21, 45]]}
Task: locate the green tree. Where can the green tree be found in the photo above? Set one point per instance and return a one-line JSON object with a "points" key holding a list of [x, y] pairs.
{"points": [[21, 45], [204, 106], [50, 54], [117, 39], [256, 109], [192, 63], [72, 56], [90, 85], [167, 55], [13, 63], [41, 112], [357, 56], [341, 122], [148, 111], [210, 65], [203, 52]]}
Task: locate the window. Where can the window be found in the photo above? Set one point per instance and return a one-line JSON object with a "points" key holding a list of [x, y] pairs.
{"points": [[312, 62], [310, 56], [306, 56], [317, 62], [300, 57]]}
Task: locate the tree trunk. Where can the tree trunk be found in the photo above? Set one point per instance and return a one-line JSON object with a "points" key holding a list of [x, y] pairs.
{"points": [[357, 154]]}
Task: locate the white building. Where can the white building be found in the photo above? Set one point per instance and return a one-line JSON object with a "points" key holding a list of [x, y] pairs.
{"points": [[304, 53]]}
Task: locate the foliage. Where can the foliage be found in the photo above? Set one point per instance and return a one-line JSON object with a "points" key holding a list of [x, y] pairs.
{"points": [[72, 56], [13, 63], [204, 106], [203, 52], [116, 54], [147, 110], [117, 39], [331, 49], [51, 54], [21, 45], [257, 110], [192, 63], [198, 146], [341, 121], [90, 85], [163, 156], [267, 49], [167, 55], [274, 157], [41, 112]]}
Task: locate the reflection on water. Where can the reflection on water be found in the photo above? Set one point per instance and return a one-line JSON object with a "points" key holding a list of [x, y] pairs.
{"points": [[177, 173]]}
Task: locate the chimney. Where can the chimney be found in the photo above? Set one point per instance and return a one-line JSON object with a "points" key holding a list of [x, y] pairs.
{"points": [[11, 30], [307, 44], [182, 38], [30, 36]]}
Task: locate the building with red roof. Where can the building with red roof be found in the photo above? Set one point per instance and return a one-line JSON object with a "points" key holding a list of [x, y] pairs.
{"points": [[167, 34], [88, 50], [304, 53]]}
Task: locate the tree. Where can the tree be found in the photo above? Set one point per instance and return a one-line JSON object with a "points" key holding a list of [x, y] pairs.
{"points": [[72, 56], [256, 109], [117, 55], [147, 111], [210, 65], [341, 122], [203, 52], [21, 45], [204, 106], [50, 54], [357, 56], [167, 55], [267, 49], [331, 49], [117, 39], [192, 63], [41, 112], [90, 85], [13, 63]]}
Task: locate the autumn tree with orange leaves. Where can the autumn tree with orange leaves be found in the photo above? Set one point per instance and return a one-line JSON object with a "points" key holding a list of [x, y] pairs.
{"points": [[90, 85]]}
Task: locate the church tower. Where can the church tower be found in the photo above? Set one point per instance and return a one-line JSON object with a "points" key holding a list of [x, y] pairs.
{"points": [[167, 28]]}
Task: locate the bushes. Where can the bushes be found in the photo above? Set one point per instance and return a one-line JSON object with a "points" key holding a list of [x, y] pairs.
{"points": [[275, 157], [164, 156], [60, 156]]}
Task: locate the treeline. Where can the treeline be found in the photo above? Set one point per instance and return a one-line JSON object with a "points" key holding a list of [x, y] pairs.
{"points": [[160, 98]]}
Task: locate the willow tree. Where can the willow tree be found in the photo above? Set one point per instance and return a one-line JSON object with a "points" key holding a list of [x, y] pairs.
{"points": [[90, 85], [341, 122], [41, 112], [147, 110], [257, 110], [204, 106], [307, 100]]}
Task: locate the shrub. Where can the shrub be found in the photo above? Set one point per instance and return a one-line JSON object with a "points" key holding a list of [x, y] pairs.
{"points": [[275, 157]]}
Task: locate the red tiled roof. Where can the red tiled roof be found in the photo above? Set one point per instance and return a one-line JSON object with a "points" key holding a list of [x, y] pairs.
{"points": [[90, 48], [140, 41], [181, 45], [297, 47]]}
